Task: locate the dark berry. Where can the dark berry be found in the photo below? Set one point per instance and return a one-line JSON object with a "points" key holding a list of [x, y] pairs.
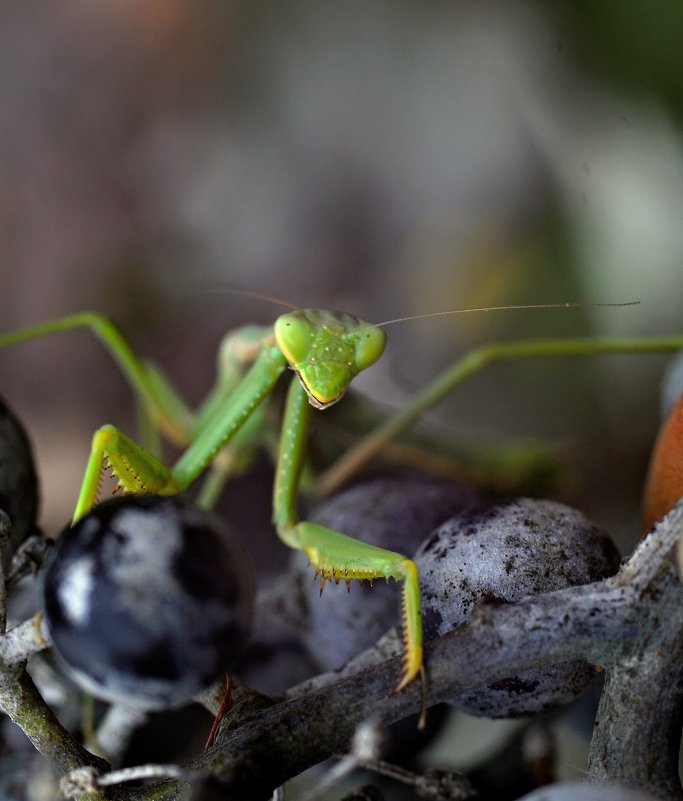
{"points": [[148, 600], [504, 552], [18, 483]]}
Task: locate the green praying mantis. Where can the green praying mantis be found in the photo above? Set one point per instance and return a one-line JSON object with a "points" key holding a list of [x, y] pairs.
{"points": [[326, 350]]}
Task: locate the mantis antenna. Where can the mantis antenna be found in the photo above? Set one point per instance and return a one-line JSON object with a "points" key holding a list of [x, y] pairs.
{"points": [[236, 289], [502, 308]]}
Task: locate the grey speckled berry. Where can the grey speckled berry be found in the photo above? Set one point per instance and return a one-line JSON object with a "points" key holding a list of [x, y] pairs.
{"points": [[585, 791], [148, 600], [394, 511], [18, 483], [507, 551]]}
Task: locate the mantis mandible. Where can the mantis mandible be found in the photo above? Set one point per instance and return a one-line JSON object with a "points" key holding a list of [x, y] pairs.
{"points": [[326, 350]]}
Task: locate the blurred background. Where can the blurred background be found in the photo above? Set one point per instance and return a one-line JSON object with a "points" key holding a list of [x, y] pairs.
{"points": [[383, 158]]}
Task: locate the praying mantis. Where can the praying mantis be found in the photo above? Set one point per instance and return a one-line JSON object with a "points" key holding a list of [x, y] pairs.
{"points": [[326, 350]]}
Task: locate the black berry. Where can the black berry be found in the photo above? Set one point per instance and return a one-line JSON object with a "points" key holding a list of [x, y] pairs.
{"points": [[148, 599]]}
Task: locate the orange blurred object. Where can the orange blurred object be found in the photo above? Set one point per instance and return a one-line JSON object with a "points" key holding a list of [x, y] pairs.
{"points": [[664, 485]]}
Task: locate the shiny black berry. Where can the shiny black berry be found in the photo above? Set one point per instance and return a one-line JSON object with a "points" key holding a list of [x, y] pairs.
{"points": [[148, 600], [18, 483]]}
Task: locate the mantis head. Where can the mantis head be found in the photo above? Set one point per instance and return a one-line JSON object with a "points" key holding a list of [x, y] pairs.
{"points": [[327, 349]]}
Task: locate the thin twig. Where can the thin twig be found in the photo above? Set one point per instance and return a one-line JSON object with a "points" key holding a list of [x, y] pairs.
{"points": [[24, 640]]}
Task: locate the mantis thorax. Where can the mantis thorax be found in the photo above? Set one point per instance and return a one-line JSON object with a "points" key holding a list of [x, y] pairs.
{"points": [[327, 349]]}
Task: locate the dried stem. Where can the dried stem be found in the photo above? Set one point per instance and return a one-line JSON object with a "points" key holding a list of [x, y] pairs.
{"points": [[630, 624]]}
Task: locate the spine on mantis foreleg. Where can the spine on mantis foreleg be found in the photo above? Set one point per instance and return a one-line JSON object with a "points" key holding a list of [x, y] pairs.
{"points": [[139, 471]]}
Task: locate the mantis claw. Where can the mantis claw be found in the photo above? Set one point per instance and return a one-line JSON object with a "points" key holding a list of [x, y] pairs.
{"points": [[422, 720]]}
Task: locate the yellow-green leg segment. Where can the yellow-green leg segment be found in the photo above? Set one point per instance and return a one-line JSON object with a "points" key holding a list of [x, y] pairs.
{"points": [[139, 471], [336, 556]]}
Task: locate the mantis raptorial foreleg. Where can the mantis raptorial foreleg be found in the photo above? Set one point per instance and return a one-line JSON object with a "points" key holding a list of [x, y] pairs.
{"points": [[334, 555], [162, 406], [139, 471]]}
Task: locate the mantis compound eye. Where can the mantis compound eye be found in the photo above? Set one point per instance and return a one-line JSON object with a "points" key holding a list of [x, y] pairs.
{"points": [[369, 346], [293, 335], [148, 600]]}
